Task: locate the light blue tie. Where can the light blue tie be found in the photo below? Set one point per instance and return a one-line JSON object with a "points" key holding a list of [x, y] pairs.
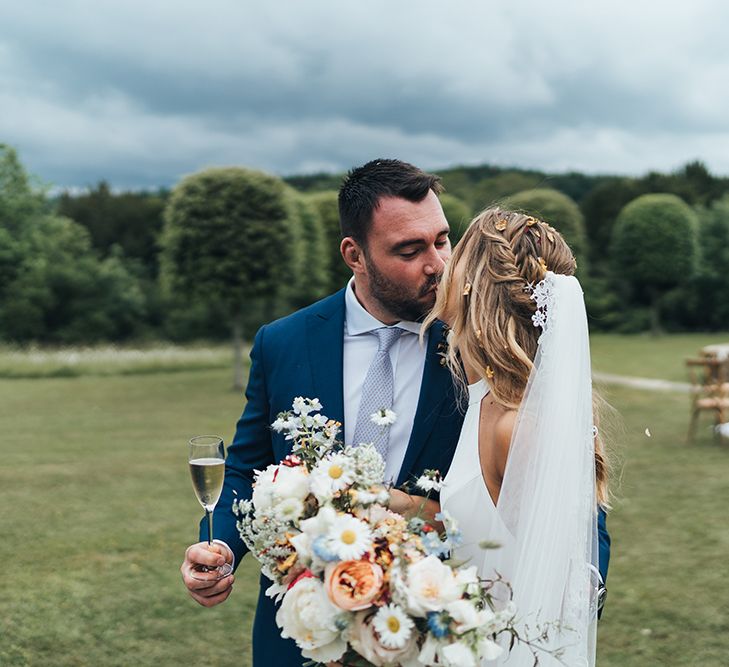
{"points": [[377, 392]]}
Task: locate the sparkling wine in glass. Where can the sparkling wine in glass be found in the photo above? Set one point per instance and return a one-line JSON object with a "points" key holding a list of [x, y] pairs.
{"points": [[207, 469]]}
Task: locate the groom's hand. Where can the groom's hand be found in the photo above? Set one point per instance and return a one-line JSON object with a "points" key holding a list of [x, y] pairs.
{"points": [[207, 593]]}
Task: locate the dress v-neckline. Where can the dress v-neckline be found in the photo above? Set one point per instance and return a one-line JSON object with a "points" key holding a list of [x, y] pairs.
{"points": [[476, 393]]}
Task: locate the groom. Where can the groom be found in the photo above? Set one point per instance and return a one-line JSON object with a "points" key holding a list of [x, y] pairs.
{"points": [[395, 241]]}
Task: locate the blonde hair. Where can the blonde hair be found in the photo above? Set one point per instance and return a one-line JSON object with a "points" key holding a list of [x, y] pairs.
{"points": [[502, 254]]}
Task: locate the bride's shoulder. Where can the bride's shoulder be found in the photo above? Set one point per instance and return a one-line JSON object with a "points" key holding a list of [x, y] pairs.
{"points": [[503, 431]]}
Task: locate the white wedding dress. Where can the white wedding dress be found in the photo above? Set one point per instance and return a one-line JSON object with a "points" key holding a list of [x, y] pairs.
{"points": [[546, 516], [465, 496]]}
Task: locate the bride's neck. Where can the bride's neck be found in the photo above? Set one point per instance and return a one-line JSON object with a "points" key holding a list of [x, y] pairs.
{"points": [[472, 375]]}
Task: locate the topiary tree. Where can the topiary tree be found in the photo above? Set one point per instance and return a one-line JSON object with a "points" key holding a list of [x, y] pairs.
{"points": [[601, 207], [227, 235], [19, 199], [655, 248], [306, 278], [559, 211], [492, 191], [458, 215], [328, 207]]}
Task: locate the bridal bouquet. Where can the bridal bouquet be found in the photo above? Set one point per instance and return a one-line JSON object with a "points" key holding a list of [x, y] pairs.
{"points": [[357, 582]]}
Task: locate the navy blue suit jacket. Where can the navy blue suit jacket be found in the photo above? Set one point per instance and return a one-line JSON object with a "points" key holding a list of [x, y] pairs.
{"points": [[302, 355]]}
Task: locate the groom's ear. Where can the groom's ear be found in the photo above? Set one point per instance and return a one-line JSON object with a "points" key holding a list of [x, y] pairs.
{"points": [[352, 254]]}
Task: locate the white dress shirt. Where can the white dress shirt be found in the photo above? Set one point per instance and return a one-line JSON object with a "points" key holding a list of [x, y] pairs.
{"points": [[408, 360]]}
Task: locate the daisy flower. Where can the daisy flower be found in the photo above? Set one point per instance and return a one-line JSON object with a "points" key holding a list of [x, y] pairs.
{"points": [[393, 626], [384, 417], [331, 474], [349, 538], [430, 480]]}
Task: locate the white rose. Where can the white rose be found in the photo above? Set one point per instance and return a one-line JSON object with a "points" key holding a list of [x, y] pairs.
{"points": [[307, 617], [262, 488], [458, 655], [291, 483], [430, 586]]}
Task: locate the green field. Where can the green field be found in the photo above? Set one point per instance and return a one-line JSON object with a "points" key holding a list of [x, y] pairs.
{"points": [[98, 510]]}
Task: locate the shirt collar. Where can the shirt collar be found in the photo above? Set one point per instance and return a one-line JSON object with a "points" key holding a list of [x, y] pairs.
{"points": [[359, 321]]}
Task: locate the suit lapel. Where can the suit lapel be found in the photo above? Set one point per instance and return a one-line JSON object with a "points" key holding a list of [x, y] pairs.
{"points": [[325, 343], [433, 391]]}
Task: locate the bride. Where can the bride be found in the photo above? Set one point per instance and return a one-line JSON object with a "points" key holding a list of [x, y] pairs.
{"points": [[528, 472]]}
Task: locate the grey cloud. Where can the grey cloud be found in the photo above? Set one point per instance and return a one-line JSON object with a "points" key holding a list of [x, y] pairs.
{"points": [[142, 93]]}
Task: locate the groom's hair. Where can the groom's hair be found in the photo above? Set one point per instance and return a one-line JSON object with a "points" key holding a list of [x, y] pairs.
{"points": [[363, 187]]}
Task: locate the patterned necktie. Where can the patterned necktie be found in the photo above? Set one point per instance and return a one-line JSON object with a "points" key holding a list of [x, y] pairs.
{"points": [[377, 392]]}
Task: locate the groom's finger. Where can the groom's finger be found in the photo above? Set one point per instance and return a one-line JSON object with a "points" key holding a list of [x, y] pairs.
{"points": [[205, 555], [209, 597], [210, 588]]}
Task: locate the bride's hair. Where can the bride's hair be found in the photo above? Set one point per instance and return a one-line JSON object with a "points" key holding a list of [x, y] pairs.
{"points": [[486, 292]]}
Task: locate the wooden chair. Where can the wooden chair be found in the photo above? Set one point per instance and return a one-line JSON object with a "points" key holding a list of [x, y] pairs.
{"points": [[709, 391]]}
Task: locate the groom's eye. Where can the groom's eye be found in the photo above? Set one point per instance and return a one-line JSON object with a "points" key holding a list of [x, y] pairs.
{"points": [[409, 255]]}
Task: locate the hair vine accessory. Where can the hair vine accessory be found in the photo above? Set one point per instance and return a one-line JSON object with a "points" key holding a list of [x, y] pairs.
{"points": [[543, 295], [500, 224], [467, 289], [489, 372], [542, 264], [550, 236], [531, 221]]}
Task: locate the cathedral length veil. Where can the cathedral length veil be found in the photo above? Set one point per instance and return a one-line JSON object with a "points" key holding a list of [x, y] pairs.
{"points": [[547, 498]]}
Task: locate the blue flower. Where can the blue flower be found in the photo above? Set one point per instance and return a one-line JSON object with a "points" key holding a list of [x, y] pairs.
{"points": [[433, 544], [453, 534], [320, 547], [438, 624]]}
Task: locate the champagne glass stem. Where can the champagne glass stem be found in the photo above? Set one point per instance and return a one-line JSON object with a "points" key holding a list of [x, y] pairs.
{"points": [[210, 526]]}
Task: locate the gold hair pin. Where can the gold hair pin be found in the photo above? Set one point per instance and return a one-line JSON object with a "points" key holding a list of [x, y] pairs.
{"points": [[531, 221], [500, 225], [467, 289], [542, 264], [489, 372], [477, 333]]}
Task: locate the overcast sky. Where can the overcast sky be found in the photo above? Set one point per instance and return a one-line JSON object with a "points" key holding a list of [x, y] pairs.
{"points": [[140, 93]]}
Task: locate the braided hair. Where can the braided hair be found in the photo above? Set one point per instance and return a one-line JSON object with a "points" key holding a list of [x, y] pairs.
{"points": [[485, 292]]}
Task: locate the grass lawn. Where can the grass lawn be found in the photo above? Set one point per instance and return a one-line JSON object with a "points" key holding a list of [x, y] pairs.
{"points": [[98, 510], [643, 355]]}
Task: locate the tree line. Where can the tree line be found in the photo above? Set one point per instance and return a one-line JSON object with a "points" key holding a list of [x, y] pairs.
{"points": [[230, 248]]}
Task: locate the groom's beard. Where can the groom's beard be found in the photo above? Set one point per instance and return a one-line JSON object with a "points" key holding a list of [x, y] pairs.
{"points": [[403, 303]]}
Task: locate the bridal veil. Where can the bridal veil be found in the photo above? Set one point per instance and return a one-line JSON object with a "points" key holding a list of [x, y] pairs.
{"points": [[548, 500]]}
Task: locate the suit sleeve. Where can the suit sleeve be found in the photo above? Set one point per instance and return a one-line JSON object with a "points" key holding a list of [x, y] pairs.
{"points": [[604, 539], [250, 450]]}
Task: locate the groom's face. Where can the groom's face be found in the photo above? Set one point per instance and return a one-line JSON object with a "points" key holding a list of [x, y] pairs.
{"points": [[405, 254]]}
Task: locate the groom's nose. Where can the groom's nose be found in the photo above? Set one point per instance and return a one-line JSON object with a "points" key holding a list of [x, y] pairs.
{"points": [[434, 263]]}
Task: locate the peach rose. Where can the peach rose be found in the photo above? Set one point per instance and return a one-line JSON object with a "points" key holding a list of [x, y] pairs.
{"points": [[353, 584]]}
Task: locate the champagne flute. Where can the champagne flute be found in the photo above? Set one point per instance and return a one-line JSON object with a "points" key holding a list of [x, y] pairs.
{"points": [[207, 468]]}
